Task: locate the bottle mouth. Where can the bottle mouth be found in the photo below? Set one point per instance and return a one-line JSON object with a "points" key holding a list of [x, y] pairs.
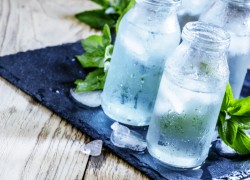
{"points": [[242, 3], [166, 3], [206, 36]]}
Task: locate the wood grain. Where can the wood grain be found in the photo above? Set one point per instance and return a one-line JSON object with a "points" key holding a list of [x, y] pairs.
{"points": [[107, 166], [34, 142]]}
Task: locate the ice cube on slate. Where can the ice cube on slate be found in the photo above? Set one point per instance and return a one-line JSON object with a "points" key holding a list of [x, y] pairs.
{"points": [[91, 99], [93, 148], [120, 128], [125, 138]]}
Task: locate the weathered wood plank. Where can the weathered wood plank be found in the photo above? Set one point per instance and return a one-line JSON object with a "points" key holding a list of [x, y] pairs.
{"points": [[35, 144], [32, 24], [107, 166]]}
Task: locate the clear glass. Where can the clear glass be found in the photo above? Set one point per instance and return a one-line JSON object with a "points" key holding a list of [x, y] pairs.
{"points": [[191, 10], [189, 98], [234, 17], [147, 35]]}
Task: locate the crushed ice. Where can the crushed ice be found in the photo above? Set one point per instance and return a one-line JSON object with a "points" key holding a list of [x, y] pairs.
{"points": [[236, 175], [125, 138], [91, 99], [93, 148]]}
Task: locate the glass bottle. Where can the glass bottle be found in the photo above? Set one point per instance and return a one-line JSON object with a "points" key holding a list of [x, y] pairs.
{"points": [[148, 34], [234, 17], [191, 10], [189, 98]]}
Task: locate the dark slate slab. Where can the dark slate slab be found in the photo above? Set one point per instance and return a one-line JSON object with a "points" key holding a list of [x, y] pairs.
{"points": [[48, 74]]}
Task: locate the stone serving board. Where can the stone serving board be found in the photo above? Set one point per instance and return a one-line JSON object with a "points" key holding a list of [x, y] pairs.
{"points": [[48, 74]]}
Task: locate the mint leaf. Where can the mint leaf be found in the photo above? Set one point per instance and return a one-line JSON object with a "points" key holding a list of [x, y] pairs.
{"points": [[242, 145], [231, 130], [94, 81], [120, 5], [88, 60], [92, 43], [96, 50], [240, 107], [243, 122], [228, 98], [97, 18], [227, 130], [106, 38], [109, 14]]}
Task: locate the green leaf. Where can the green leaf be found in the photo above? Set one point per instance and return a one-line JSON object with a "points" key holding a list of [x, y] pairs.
{"points": [[103, 3], [108, 52], [92, 43], [120, 5], [106, 38], [240, 107], [230, 131], [94, 81], [129, 6], [242, 144], [227, 129], [97, 18], [228, 98], [243, 122], [90, 60]]}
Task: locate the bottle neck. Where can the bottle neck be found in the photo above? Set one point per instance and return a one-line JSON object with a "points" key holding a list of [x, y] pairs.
{"points": [[206, 37]]}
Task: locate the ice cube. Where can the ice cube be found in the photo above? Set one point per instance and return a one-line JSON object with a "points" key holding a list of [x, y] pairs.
{"points": [[236, 175], [93, 148], [125, 138], [91, 99], [120, 129]]}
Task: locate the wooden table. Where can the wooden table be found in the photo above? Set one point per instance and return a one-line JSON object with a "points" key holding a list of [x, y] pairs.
{"points": [[34, 142]]}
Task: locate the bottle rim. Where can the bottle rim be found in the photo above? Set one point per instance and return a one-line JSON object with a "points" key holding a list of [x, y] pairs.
{"points": [[169, 3], [206, 36], [242, 3]]}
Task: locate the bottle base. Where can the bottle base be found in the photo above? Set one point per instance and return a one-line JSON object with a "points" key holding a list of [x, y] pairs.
{"points": [[172, 166]]}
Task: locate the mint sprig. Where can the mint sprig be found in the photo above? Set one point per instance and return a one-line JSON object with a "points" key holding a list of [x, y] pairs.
{"points": [[98, 54], [233, 121], [109, 13]]}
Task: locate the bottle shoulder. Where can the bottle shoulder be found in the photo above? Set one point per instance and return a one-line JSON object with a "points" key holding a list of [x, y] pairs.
{"points": [[149, 21], [235, 20]]}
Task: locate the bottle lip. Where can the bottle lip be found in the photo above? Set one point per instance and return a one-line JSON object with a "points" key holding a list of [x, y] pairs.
{"points": [[206, 36], [168, 3], [242, 3]]}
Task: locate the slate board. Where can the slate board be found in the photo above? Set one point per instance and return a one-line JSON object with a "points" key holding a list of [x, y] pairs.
{"points": [[48, 74]]}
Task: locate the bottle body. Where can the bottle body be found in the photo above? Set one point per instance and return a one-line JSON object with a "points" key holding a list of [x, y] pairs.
{"points": [[233, 17], [137, 64], [187, 106]]}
